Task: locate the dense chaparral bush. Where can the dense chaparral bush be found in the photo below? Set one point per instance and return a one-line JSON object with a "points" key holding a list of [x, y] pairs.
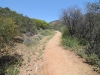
{"points": [[84, 27]]}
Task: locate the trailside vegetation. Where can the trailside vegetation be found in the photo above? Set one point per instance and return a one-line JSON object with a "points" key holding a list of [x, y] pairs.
{"points": [[13, 27], [13, 24], [83, 30]]}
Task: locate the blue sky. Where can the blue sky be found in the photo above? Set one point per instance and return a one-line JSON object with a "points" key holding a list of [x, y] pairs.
{"points": [[47, 10]]}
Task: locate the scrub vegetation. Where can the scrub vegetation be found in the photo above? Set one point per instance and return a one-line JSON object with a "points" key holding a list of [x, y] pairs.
{"points": [[82, 32]]}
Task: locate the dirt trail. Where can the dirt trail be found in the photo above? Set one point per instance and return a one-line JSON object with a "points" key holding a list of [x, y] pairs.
{"points": [[58, 61]]}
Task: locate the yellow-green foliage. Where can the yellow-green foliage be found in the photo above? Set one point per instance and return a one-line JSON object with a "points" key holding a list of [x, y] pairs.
{"points": [[40, 23], [7, 31], [7, 27]]}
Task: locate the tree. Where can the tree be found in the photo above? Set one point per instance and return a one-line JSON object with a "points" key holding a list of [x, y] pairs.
{"points": [[40, 23], [71, 18], [93, 34]]}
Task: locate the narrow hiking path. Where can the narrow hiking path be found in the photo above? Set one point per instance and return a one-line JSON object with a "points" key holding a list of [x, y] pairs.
{"points": [[58, 61]]}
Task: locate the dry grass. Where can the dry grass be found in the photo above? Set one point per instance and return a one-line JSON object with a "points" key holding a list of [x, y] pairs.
{"points": [[32, 56]]}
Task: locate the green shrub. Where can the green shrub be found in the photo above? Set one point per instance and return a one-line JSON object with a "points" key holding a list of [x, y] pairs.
{"points": [[83, 42], [8, 30], [56, 27], [81, 53], [70, 42], [64, 32], [92, 59], [45, 32], [9, 65], [40, 23]]}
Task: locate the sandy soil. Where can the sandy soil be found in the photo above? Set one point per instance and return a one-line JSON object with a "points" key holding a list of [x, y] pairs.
{"points": [[32, 56], [58, 61]]}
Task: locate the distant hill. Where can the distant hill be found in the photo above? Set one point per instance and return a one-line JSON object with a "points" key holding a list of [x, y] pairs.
{"points": [[56, 22]]}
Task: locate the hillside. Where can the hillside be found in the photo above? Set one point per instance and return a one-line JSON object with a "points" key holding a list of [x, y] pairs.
{"points": [[24, 23], [55, 22], [15, 29]]}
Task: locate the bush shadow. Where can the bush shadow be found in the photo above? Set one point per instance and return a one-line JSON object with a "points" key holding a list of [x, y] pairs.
{"points": [[9, 60]]}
